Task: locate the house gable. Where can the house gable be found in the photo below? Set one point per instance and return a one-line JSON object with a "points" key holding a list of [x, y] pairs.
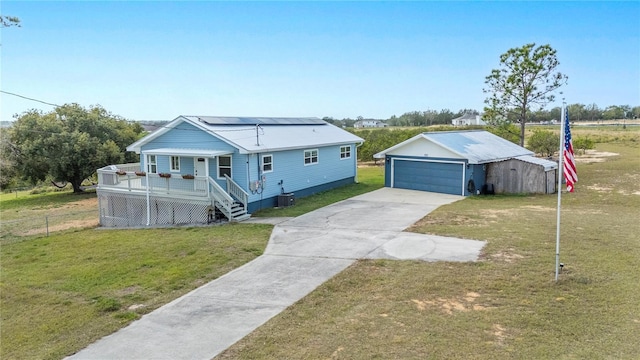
{"points": [[187, 136], [422, 147]]}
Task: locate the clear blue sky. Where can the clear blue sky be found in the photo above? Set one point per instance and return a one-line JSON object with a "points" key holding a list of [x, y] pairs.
{"points": [[157, 60]]}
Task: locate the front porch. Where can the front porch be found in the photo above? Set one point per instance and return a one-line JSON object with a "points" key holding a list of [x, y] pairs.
{"points": [[129, 197]]}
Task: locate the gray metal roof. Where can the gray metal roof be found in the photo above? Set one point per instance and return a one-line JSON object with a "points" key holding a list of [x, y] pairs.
{"points": [[466, 116], [231, 120], [260, 135], [478, 147], [547, 164]]}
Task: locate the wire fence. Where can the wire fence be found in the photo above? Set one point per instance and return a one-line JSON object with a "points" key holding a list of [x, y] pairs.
{"points": [[46, 223]]}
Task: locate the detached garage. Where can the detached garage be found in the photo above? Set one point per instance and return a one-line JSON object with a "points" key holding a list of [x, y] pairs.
{"points": [[462, 162]]}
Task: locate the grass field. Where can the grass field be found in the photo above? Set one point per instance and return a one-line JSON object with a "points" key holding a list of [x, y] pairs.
{"points": [[24, 214], [506, 306], [62, 292]]}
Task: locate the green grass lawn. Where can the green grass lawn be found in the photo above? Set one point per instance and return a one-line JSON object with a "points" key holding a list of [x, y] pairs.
{"points": [[506, 306], [60, 293], [63, 292]]}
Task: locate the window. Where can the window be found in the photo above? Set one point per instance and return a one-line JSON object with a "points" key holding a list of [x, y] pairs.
{"points": [[175, 163], [224, 166], [310, 157], [267, 163], [345, 152], [152, 168]]}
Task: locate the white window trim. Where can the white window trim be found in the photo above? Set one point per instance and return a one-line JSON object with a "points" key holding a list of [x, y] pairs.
{"points": [[218, 166], [311, 157], [346, 157], [171, 168], [152, 163], [271, 163]]}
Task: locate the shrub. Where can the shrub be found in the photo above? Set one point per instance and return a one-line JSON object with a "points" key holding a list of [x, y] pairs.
{"points": [[583, 144], [544, 142]]}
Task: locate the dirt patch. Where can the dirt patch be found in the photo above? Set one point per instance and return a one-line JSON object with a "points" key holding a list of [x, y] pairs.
{"points": [[594, 156], [366, 164], [499, 332], [77, 214], [130, 290], [599, 188], [335, 354], [449, 306], [64, 226], [507, 256]]}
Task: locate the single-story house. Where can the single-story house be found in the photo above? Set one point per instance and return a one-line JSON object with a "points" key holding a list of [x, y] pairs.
{"points": [[467, 119], [369, 123], [466, 163], [199, 167]]}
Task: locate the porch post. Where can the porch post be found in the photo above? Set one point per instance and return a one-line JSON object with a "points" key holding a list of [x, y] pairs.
{"points": [[206, 172], [146, 161]]}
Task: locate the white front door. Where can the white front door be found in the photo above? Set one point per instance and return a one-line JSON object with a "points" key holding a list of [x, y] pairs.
{"points": [[200, 172], [200, 167]]}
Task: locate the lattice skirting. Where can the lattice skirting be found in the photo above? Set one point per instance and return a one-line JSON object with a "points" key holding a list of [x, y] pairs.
{"points": [[129, 210]]}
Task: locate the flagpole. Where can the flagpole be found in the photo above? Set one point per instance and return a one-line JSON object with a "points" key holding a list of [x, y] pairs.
{"points": [[560, 173]]}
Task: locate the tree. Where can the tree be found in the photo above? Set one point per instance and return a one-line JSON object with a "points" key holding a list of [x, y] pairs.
{"points": [[527, 78], [544, 142], [577, 112], [7, 21], [594, 112], [615, 112], [69, 143]]}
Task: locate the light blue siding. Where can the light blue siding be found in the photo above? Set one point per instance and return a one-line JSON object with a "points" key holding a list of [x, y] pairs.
{"points": [[186, 136], [289, 174]]}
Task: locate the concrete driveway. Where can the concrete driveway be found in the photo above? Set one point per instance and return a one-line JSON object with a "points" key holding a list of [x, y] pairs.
{"points": [[302, 253]]}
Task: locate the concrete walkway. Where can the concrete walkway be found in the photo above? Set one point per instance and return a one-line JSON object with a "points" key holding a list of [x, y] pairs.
{"points": [[302, 253]]}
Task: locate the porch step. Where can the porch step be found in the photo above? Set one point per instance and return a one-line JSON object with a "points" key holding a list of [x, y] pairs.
{"points": [[239, 213], [237, 210], [242, 217]]}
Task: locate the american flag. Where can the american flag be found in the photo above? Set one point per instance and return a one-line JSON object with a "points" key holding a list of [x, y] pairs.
{"points": [[570, 174]]}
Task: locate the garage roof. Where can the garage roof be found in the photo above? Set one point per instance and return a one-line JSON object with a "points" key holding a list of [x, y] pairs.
{"points": [[477, 146], [547, 164]]}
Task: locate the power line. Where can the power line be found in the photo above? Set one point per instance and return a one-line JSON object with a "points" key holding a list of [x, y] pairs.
{"points": [[28, 98]]}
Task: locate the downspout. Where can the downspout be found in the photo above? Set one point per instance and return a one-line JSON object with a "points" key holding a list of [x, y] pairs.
{"points": [[248, 172]]}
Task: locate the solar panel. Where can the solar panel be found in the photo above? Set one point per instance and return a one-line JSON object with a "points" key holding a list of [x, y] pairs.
{"points": [[228, 120]]}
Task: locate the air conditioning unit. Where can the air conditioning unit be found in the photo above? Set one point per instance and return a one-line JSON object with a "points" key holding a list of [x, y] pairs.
{"points": [[285, 200]]}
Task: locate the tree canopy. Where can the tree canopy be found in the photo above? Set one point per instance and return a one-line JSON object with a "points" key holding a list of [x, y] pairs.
{"points": [[8, 21], [527, 78], [69, 143]]}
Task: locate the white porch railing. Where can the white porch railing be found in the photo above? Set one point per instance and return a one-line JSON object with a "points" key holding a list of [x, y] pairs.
{"points": [[235, 190], [224, 200], [114, 177]]}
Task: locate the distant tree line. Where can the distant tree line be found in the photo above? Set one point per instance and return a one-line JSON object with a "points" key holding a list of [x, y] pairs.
{"points": [[577, 112]]}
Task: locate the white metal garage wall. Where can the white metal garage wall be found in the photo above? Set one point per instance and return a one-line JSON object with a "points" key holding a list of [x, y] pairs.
{"points": [[442, 176]]}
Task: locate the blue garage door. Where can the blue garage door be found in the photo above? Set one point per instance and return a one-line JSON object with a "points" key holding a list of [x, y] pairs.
{"points": [[438, 177]]}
